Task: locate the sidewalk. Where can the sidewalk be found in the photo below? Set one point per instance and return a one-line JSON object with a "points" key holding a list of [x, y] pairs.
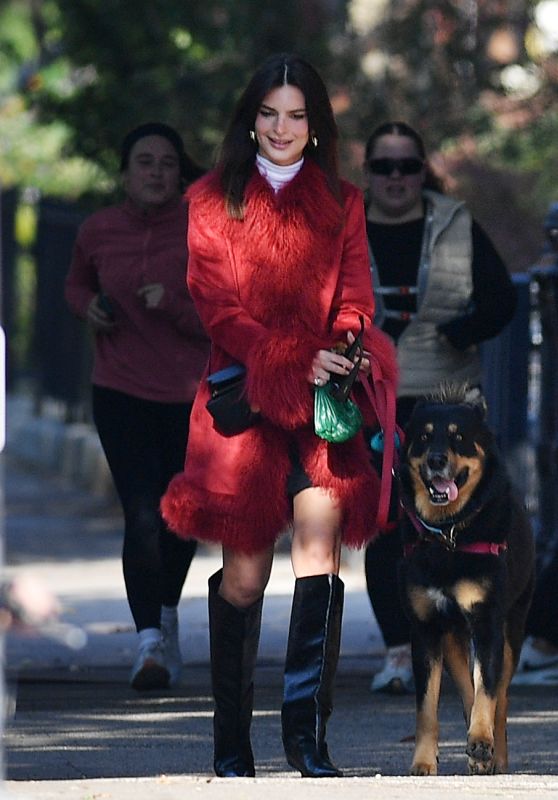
{"points": [[75, 728]]}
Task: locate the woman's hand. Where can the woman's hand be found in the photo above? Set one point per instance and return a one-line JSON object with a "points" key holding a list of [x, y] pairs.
{"points": [[325, 362], [152, 294], [99, 319]]}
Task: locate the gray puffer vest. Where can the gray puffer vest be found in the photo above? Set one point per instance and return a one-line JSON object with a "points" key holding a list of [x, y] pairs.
{"points": [[444, 289]]}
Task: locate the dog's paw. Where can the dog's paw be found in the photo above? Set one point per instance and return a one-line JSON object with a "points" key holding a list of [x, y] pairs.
{"points": [[481, 758], [424, 768], [481, 767]]}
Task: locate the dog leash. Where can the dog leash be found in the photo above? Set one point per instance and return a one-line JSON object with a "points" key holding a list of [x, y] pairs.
{"points": [[382, 399]]}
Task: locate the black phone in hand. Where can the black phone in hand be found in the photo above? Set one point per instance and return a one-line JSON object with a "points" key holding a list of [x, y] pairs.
{"points": [[341, 385]]}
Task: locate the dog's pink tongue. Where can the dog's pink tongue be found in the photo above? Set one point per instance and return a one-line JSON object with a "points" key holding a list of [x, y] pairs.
{"points": [[446, 487]]}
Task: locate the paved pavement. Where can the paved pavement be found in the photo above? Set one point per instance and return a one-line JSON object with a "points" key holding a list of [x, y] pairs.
{"points": [[75, 729]]}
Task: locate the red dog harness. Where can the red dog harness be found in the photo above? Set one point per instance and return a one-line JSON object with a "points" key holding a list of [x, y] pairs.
{"points": [[484, 548], [428, 533]]}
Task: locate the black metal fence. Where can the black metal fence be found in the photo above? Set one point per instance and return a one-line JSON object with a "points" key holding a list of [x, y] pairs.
{"points": [[59, 357], [8, 202], [544, 380], [520, 383], [506, 384], [61, 341]]}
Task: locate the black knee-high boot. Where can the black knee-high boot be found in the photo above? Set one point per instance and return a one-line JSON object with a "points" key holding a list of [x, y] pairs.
{"points": [[233, 638], [312, 655]]}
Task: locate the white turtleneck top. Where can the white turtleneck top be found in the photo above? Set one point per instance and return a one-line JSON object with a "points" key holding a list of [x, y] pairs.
{"points": [[277, 175]]}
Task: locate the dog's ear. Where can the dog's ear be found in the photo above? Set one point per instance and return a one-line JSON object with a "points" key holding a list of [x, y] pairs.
{"points": [[477, 401]]}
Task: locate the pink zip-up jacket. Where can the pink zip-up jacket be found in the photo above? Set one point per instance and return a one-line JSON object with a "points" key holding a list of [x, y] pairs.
{"points": [[155, 354]]}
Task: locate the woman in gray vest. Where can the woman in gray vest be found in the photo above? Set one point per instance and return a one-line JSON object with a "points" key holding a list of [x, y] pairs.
{"points": [[441, 289]]}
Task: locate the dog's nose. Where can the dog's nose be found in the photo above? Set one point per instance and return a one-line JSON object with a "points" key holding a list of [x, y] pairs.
{"points": [[437, 461]]}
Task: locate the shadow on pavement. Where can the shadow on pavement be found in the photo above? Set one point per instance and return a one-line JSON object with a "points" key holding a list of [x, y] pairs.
{"points": [[96, 726]]}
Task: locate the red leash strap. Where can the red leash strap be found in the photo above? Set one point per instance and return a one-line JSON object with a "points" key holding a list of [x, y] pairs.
{"points": [[484, 548], [381, 395]]}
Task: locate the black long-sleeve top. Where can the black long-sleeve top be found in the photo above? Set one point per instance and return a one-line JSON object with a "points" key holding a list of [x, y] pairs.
{"points": [[396, 249]]}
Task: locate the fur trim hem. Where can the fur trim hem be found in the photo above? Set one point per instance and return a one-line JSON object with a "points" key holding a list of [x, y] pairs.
{"points": [[344, 470], [188, 516]]}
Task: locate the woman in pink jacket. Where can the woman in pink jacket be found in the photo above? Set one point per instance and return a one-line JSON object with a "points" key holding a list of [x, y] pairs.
{"points": [[127, 280]]}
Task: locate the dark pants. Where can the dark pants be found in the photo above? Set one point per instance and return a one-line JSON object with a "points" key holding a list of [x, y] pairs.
{"points": [[381, 563], [542, 621], [145, 444]]}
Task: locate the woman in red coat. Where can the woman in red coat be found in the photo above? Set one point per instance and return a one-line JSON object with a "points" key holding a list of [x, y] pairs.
{"points": [[279, 274]]}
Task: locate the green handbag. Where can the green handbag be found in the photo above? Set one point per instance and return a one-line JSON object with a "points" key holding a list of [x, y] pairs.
{"points": [[335, 421], [336, 417]]}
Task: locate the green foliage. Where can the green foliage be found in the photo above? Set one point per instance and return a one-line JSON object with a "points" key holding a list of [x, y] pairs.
{"points": [[33, 153], [434, 64], [184, 63], [441, 67], [25, 225], [17, 40], [25, 276], [76, 75], [532, 151]]}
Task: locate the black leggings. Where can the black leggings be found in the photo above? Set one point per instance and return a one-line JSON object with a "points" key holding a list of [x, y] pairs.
{"points": [[542, 621], [381, 563], [145, 444]]}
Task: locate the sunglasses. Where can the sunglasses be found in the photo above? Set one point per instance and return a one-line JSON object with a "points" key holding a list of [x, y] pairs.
{"points": [[387, 166]]}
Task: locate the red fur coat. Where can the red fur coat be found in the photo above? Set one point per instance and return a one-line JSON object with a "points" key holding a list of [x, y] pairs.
{"points": [[271, 290]]}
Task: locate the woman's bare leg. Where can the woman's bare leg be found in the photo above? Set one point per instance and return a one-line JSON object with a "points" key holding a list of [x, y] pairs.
{"points": [[245, 576], [316, 547]]}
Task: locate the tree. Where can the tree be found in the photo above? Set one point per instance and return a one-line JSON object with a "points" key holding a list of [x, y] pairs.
{"points": [[478, 79], [33, 153], [185, 63]]}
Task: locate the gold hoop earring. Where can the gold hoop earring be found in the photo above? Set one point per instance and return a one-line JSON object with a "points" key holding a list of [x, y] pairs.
{"points": [[314, 140], [253, 135]]}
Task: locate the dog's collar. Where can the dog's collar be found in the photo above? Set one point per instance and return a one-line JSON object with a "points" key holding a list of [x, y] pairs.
{"points": [[428, 533]]}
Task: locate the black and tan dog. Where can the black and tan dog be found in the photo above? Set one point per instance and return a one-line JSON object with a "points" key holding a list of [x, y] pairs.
{"points": [[466, 577]]}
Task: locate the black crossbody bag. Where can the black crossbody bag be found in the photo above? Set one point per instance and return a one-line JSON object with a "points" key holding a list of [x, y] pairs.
{"points": [[228, 404]]}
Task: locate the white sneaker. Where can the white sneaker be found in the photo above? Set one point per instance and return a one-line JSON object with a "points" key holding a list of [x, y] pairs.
{"points": [[536, 677], [150, 670], [532, 658], [171, 648], [396, 676]]}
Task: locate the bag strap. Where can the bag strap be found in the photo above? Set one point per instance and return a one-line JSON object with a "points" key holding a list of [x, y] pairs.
{"points": [[381, 395]]}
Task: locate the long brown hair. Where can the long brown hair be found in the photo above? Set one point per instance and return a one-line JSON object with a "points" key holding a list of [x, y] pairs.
{"points": [[238, 151]]}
